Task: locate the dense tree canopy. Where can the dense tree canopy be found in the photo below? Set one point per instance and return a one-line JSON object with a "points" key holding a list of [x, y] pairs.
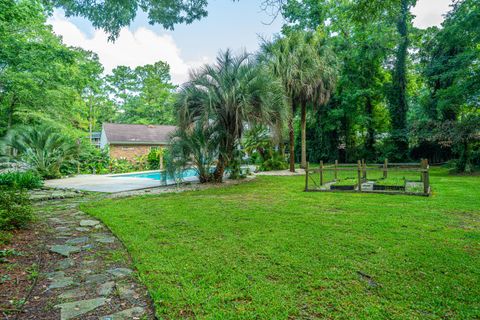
{"points": [[359, 80]]}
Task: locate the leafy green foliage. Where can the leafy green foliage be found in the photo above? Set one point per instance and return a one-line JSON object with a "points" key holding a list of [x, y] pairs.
{"points": [[112, 15], [197, 146], [42, 147], [275, 162], [143, 95], [15, 209], [41, 79], [17, 179]]}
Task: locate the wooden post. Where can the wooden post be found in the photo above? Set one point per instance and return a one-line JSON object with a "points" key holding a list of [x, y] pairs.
{"points": [[306, 177], [364, 175], [422, 166], [321, 173], [385, 169], [426, 179], [335, 172], [359, 174]]}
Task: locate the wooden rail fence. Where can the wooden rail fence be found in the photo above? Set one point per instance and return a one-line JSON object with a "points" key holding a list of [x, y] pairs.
{"points": [[315, 179]]}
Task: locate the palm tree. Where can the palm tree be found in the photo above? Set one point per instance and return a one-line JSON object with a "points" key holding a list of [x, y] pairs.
{"points": [[197, 145], [307, 71], [42, 148], [227, 95]]}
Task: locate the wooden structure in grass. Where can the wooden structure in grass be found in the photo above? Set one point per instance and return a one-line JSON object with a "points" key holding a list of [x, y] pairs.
{"points": [[388, 178]]}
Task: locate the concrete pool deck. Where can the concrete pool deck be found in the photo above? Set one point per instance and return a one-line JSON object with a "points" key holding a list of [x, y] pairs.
{"points": [[113, 183], [108, 183]]}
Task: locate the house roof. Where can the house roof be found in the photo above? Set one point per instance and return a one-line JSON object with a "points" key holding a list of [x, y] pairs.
{"points": [[137, 133]]}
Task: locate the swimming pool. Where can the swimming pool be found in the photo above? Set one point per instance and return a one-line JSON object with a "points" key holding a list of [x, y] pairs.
{"points": [[157, 175]]}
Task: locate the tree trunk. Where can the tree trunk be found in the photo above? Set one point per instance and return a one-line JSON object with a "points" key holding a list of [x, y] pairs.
{"points": [[219, 170], [304, 134], [398, 99], [370, 139], [291, 133]]}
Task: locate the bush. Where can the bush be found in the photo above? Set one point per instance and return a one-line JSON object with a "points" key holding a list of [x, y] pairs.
{"points": [[15, 209], [27, 180], [276, 162], [122, 166], [46, 149]]}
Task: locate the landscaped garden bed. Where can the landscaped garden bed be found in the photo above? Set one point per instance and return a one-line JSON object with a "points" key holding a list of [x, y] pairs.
{"points": [[390, 184], [345, 184]]}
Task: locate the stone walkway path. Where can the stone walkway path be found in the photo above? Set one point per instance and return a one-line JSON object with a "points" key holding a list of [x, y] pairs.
{"points": [[87, 274]]}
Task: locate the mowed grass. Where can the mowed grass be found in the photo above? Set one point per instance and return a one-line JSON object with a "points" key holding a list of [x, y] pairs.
{"points": [[267, 250]]}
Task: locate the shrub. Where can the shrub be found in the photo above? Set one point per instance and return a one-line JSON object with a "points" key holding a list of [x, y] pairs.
{"points": [[43, 147], [122, 166], [276, 162], [27, 180], [15, 209]]}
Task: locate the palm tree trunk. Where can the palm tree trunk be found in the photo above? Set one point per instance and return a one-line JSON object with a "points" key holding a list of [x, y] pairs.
{"points": [[291, 133], [219, 170], [304, 134]]}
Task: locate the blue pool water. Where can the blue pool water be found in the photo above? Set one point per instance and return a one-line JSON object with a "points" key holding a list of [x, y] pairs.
{"points": [[158, 175]]}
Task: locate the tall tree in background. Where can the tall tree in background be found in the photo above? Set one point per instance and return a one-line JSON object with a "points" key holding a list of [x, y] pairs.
{"points": [[318, 64], [452, 71], [41, 80], [398, 94], [143, 95], [307, 71]]}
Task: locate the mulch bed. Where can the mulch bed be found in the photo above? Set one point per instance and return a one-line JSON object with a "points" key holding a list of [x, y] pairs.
{"points": [[19, 273]]}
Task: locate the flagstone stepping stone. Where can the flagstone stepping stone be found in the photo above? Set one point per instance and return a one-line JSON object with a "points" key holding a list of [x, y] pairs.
{"points": [[82, 229], [125, 292], [80, 240], [64, 264], [89, 223], [103, 238], [119, 272], [61, 283], [55, 275], [97, 278], [71, 310], [88, 246], [133, 313], [106, 288], [64, 250], [73, 293], [62, 229], [56, 220]]}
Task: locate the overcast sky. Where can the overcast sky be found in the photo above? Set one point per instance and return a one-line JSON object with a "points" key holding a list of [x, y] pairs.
{"points": [[235, 25]]}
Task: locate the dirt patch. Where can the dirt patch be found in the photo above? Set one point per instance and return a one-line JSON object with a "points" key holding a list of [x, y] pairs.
{"points": [[23, 258]]}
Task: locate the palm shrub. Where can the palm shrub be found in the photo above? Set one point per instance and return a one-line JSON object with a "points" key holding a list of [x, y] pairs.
{"points": [[227, 95], [42, 147], [195, 146]]}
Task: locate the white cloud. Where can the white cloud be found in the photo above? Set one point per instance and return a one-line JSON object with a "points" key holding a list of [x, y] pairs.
{"points": [[430, 12], [132, 49]]}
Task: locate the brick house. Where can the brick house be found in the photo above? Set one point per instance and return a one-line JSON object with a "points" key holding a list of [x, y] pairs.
{"points": [[128, 141]]}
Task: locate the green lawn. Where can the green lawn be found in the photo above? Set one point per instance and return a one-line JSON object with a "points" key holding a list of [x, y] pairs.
{"points": [[267, 250]]}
